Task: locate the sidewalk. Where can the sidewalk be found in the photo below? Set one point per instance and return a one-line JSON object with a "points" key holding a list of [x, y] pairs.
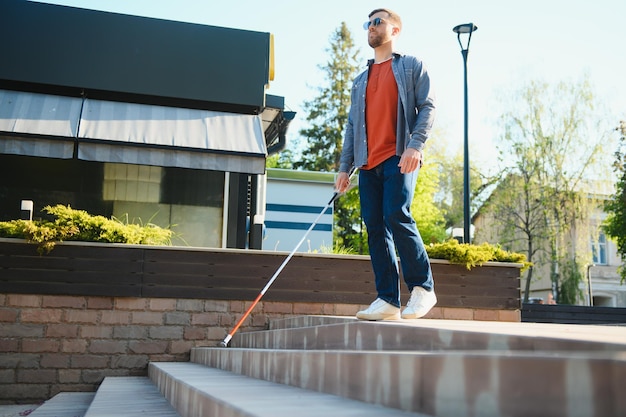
{"points": [[17, 410]]}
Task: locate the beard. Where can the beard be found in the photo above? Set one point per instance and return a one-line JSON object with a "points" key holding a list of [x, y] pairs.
{"points": [[375, 40]]}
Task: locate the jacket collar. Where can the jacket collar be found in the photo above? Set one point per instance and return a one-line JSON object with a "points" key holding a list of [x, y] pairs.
{"points": [[394, 55]]}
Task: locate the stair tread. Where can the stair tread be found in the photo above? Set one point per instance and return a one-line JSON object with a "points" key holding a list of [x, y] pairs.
{"points": [[256, 397], [587, 332], [129, 397], [331, 332], [71, 404]]}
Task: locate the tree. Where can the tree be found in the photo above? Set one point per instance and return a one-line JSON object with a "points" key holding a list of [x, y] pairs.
{"points": [[428, 217], [615, 224], [349, 228], [328, 112], [448, 197], [282, 159], [550, 143]]}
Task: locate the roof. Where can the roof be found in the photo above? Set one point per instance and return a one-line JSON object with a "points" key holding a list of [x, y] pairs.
{"points": [[111, 56]]}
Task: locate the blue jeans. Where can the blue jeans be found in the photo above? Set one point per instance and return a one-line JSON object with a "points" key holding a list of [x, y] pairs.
{"points": [[386, 197]]}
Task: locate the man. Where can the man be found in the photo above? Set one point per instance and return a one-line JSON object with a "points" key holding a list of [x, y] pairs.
{"points": [[390, 118]]}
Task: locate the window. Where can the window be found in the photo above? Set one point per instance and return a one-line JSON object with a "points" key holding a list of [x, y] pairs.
{"points": [[603, 301], [598, 249]]}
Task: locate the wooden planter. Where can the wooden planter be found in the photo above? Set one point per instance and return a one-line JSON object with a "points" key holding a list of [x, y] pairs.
{"points": [[79, 268]]}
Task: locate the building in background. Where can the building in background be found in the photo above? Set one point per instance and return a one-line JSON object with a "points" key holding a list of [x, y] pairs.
{"points": [[586, 242], [130, 117], [294, 200], [604, 287]]}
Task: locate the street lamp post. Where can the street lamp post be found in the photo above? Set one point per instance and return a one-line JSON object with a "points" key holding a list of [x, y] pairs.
{"points": [[466, 28]]}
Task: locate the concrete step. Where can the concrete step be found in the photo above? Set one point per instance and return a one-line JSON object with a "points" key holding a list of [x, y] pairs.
{"points": [[341, 366], [445, 383], [440, 367], [129, 397], [328, 332], [199, 391], [71, 404]]}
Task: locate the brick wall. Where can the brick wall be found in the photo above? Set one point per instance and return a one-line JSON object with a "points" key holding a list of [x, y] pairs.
{"points": [[50, 344]]}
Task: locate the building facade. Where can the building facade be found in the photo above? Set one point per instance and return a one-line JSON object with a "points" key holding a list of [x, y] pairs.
{"points": [[295, 199], [585, 242], [128, 116]]}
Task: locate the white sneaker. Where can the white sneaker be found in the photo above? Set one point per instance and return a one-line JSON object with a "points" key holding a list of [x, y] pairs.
{"points": [[419, 304], [379, 310]]}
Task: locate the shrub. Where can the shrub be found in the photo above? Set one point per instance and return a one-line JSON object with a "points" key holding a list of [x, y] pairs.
{"points": [[71, 224], [473, 255], [78, 225]]}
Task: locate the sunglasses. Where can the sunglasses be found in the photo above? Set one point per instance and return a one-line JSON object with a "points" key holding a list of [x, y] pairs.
{"points": [[377, 21]]}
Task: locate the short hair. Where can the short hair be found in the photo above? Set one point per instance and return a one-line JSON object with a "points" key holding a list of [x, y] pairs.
{"points": [[392, 16]]}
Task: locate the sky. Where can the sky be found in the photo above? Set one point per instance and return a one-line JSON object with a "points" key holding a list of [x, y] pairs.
{"points": [[516, 41]]}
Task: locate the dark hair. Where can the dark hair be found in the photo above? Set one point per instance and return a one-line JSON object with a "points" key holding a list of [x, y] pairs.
{"points": [[391, 15]]}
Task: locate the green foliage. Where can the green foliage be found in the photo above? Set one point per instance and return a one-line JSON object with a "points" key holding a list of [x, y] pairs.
{"points": [[465, 254], [337, 250], [429, 219], [569, 284], [615, 224], [282, 159], [473, 255], [44, 233], [78, 225], [349, 230], [447, 160]]}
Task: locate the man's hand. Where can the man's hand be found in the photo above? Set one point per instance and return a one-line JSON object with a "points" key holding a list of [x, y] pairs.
{"points": [[342, 182], [410, 160]]}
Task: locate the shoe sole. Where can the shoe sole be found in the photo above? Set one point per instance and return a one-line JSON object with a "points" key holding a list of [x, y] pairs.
{"points": [[373, 317], [416, 316]]}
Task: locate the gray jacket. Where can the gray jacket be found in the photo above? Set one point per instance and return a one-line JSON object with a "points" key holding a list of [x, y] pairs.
{"points": [[416, 111]]}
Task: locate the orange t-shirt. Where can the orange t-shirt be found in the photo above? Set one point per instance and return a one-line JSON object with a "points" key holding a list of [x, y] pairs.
{"points": [[381, 114]]}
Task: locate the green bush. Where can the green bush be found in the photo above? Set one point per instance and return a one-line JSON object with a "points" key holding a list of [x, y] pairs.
{"points": [[460, 253], [78, 225], [473, 255], [71, 224]]}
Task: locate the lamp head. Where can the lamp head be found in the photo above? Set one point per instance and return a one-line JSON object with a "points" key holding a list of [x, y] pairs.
{"points": [[465, 28]]}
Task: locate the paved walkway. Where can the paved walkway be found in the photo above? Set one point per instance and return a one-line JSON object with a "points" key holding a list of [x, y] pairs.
{"points": [[17, 410], [586, 332]]}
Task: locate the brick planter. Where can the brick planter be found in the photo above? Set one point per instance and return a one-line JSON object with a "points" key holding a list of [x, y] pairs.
{"points": [[115, 270]]}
